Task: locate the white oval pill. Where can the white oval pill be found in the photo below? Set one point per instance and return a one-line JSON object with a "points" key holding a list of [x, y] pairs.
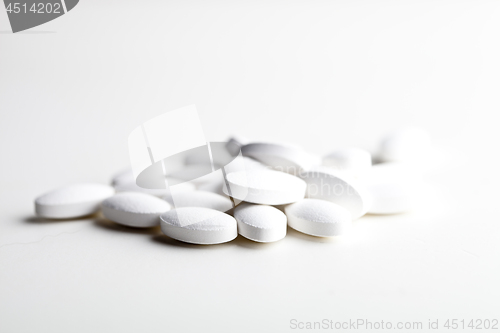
{"points": [[199, 225], [72, 201], [337, 187], [318, 217], [282, 157], [355, 160], [407, 144], [266, 187], [260, 223], [244, 163], [134, 209], [200, 199]]}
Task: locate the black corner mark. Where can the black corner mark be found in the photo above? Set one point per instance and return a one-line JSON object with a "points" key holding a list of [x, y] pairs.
{"points": [[70, 4], [26, 14]]}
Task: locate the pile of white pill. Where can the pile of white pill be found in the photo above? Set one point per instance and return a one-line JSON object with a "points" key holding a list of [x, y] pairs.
{"points": [[277, 185]]}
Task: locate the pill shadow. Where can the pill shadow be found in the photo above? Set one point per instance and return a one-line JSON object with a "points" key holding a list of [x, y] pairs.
{"points": [[250, 244], [238, 241], [295, 234], [104, 223], [42, 220], [165, 240], [373, 215]]}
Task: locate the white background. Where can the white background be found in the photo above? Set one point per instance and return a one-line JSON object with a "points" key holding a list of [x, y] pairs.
{"points": [[321, 74]]}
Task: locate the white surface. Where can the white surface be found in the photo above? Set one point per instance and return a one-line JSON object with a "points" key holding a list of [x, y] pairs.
{"points": [[392, 198], [70, 97]]}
